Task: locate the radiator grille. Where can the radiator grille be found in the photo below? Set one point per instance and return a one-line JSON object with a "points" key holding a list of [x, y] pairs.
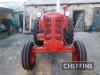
{"points": [[47, 22], [58, 26]]}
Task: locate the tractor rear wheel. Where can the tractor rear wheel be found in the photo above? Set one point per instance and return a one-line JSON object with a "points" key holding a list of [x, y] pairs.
{"points": [[35, 32], [80, 54], [28, 57], [69, 33]]}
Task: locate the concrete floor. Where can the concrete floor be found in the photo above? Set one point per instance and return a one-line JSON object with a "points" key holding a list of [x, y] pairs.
{"points": [[46, 64]]}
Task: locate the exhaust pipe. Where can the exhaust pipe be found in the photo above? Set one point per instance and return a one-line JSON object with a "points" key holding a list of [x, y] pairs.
{"points": [[58, 5]]}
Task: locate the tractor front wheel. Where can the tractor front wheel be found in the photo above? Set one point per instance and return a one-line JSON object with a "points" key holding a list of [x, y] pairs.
{"points": [[28, 56], [80, 53]]}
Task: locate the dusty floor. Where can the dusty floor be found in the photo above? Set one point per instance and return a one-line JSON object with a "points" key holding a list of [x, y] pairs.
{"points": [[46, 64]]}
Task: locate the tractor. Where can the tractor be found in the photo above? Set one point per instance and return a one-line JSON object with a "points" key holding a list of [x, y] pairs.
{"points": [[53, 32]]}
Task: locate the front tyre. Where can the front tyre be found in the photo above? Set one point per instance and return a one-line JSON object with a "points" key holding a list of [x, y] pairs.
{"points": [[28, 56]]}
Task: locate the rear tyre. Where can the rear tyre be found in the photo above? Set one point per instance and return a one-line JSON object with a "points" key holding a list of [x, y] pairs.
{"points": [[35, 32], [69, 33], [28, 57]]}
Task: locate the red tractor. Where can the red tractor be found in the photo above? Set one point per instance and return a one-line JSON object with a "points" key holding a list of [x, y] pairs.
{"points": [[53, 32]]}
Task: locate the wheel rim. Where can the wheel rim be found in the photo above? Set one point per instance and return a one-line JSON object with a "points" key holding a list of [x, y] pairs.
{"points": [[32, 57], [30, 60], [75, 56]]}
